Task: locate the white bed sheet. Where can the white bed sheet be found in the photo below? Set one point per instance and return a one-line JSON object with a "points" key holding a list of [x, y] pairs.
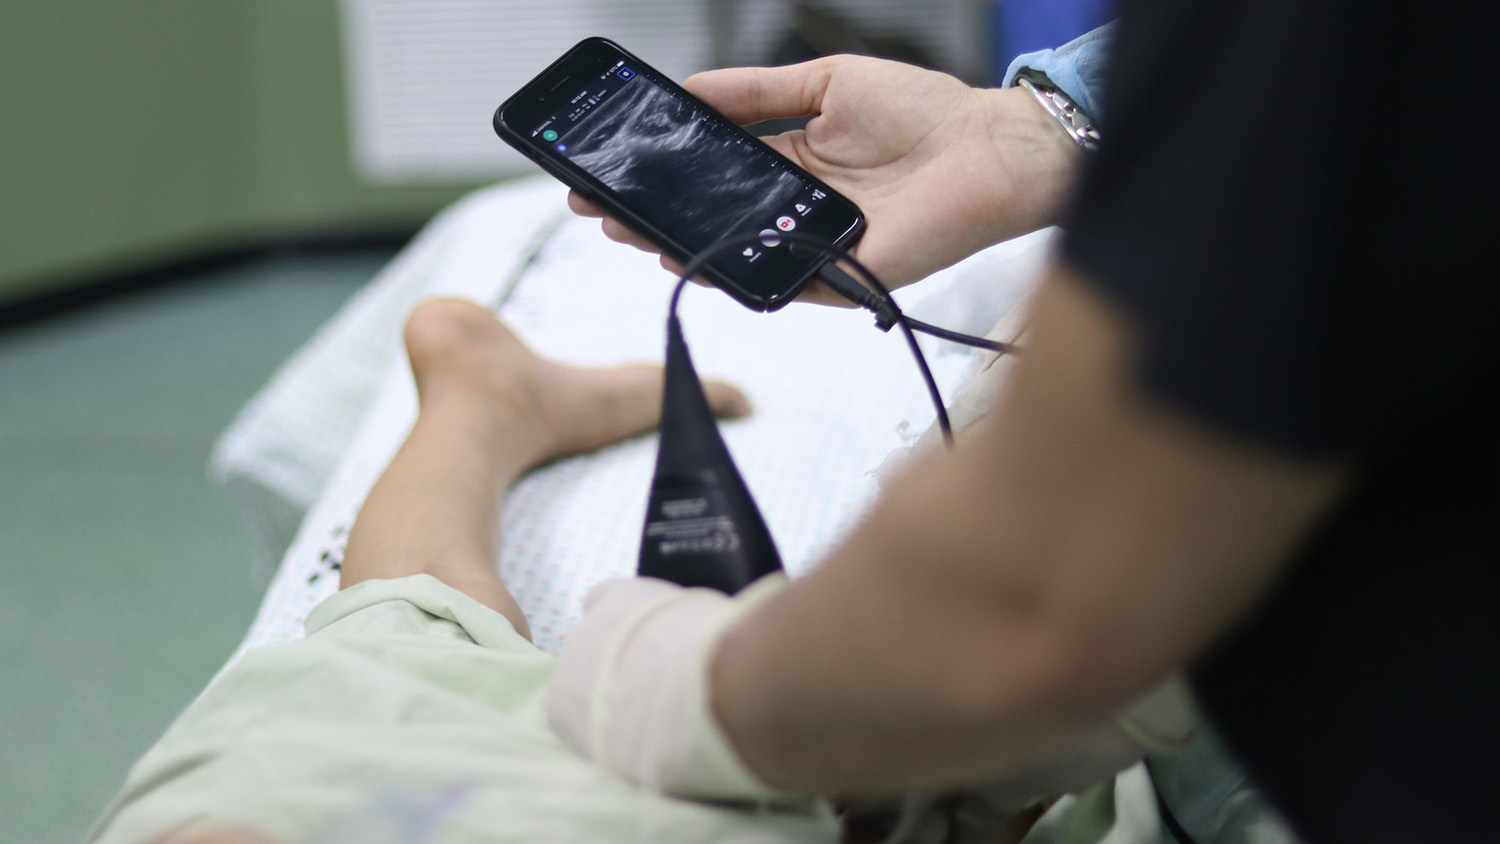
{"points": [[832, 395]]}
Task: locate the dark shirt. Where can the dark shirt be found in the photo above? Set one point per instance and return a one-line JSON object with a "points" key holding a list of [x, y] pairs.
{"points": [[1293, 208]]}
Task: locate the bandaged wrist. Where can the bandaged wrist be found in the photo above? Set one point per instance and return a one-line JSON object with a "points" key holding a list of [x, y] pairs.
{"points": [[631, 691]]}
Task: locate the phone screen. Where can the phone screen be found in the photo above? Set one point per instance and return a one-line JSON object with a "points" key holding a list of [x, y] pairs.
{"points": [[675, 169]]}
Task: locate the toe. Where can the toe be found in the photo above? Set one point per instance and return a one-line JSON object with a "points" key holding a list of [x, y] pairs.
{"points": [[726, 400]]}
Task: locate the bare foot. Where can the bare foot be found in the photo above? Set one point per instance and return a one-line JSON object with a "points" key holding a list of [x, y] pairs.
{"points": [[464, 358]]}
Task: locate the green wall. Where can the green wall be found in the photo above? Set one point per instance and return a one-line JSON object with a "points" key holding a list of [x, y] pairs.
{"points": [[133, 131]]}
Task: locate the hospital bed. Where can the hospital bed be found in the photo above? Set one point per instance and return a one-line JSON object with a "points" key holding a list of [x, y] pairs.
{"points": [[835, 400], [833, 397]]}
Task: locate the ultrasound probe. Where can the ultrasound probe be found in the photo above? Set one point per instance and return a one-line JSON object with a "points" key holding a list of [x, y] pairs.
{"points": [[702, 525]]}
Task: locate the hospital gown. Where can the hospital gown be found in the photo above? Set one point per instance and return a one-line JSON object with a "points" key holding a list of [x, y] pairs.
{"points": [[410, 713]]}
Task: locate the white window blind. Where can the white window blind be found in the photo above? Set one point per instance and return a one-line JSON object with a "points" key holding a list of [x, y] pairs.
{"points": [[425, 76]]}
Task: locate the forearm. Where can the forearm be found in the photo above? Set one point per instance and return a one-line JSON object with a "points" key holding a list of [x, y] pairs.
{"points": [[864, 679], [929, 648], [854, 682], [1005, 597]]}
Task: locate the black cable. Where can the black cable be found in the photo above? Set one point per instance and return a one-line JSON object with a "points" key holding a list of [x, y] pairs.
{"points": [[956, 337], [886, 315], [883, 306], [887, 307]]}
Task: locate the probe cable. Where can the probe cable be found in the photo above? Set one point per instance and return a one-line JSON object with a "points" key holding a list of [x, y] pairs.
{"points": [[888, 314], [880, 302]]}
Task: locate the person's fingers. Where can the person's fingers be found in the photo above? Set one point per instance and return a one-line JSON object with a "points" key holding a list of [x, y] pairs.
{"points": [[582, 207], [675, 267], [793, 145], [621, 233], [753, 94], [726, 400]]}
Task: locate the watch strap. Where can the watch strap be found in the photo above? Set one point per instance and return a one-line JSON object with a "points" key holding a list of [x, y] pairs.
{"points": [[1074, 120]]}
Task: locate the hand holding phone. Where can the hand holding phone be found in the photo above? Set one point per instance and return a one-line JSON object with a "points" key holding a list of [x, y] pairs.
{"points": [[941, 169], [673, 170]]}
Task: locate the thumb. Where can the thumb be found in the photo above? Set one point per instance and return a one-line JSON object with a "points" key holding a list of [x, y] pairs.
{"points": [[752, 94]]}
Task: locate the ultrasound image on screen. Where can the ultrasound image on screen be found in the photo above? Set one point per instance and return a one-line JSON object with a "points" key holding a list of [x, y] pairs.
{"points": [[683, 172]]}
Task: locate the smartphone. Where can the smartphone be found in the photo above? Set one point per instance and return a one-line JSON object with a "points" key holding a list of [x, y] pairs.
{"points": [[675, 170]]}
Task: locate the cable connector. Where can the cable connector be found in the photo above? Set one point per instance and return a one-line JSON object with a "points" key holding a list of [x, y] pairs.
{"points": [[845, 285], [887, 314]]}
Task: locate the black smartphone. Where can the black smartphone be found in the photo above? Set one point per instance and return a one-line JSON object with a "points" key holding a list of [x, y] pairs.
{"points": [[675, 170]]}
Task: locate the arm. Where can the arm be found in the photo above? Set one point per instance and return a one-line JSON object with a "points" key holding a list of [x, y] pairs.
{"points": [[1005, 597]]}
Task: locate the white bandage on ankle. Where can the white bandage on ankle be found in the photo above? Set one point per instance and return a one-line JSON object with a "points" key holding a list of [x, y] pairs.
{"points": [[630, 689]]}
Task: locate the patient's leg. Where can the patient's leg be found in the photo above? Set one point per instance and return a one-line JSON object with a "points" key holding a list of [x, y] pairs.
{"points": [[490, 410]]}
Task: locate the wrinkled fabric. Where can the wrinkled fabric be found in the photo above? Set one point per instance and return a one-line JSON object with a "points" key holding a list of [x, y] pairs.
{"points": [[1076, 68], [410, 709]]}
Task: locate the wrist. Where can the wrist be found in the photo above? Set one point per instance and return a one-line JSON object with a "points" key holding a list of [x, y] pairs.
{"points": [[1035, 157], [1078, 124]]}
